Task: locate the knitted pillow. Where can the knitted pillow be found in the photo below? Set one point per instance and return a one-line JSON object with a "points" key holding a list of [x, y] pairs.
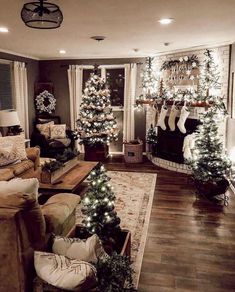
{"points": [[8, 155], [18, 141], [63, 273], [44, 129], [89, 250], [58, 131]]}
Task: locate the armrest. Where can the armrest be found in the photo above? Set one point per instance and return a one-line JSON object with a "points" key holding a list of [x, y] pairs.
{"points": [[33, 154]]}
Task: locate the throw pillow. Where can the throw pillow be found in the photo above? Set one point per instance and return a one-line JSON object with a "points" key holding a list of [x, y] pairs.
{"points": [[58, 131], [18, 141], [8, 155], [63, 273], [44, 129], [27, 186], [89, 250]]}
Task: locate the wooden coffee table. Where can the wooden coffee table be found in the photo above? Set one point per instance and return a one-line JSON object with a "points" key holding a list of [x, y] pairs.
{"points": [[70, 181]]}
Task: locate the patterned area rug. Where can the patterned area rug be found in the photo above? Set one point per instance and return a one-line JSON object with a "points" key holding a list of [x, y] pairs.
{"points": [[134, 196]]}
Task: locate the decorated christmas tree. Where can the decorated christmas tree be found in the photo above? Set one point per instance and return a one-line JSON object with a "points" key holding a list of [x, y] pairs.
{"points": [[151, 135], [210, 164], [98, 205], [149, 79], [96, 123], [209, 78]]}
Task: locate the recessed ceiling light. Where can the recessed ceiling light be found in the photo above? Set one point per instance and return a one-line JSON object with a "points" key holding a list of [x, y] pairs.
{"points": [[98, 38], [4, 29], [62, 52], [166, 20]]}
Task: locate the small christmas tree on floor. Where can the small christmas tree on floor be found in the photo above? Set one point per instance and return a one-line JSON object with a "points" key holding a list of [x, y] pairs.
{"points": [[210, 164], [98, 205]]}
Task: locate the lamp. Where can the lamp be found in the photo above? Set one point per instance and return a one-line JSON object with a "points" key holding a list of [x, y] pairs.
{"points": [[41, 15], [9, 118]]}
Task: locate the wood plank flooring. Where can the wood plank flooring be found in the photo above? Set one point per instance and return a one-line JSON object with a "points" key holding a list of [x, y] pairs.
{"points": [[191, 242]]}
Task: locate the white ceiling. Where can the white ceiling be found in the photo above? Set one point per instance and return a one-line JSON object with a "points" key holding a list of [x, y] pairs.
{"points": [[127, 24]]}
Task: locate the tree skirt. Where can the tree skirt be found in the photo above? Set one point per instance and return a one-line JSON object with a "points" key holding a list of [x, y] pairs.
{"points": [[134, 196]]}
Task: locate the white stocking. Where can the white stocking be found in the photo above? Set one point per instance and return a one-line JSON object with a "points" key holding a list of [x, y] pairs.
{"points": [[161, 120], [183, 117], [173, 114]]}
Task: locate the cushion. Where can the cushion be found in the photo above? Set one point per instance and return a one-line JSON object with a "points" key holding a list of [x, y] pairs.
{"points": [[6, 174], [65, 141], [89, 250], [27, 186], [57, 209], [64, 273], [44, 129], [58, 131], [8, 155], [31, 214], [18, 141], [21, 167]]}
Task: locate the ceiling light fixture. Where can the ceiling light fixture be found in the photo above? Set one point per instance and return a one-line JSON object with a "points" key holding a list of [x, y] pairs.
{"points": [[62, 52], [4, 29], [166, 20], [98, 38], [41, 15]]}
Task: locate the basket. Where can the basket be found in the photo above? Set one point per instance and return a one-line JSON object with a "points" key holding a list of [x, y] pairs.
{"points": [[133, 153]]}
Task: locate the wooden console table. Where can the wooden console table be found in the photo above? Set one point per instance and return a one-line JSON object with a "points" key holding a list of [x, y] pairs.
{"points": [[71, 180]]}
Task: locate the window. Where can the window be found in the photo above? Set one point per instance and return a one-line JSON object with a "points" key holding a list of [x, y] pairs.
{"points": [[6, 85]]}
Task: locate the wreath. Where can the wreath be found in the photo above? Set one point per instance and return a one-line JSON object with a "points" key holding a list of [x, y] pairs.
{"points": [[45, 102], [192, 61]]}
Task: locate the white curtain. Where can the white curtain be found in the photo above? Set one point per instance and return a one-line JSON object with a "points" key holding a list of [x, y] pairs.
{"points": [[129, 102], [21, 95], [75, 94]]}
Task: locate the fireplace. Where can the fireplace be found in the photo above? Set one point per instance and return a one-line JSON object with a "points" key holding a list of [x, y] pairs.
{"points": [[170, 143]]}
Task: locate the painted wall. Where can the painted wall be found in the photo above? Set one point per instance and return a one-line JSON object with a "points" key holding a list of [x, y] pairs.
{"points": [[33, 76]]}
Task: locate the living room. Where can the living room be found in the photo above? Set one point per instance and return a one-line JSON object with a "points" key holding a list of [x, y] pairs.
{"points": [[117, 146]]}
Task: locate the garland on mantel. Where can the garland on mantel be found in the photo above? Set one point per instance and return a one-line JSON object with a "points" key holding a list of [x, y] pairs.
{"points": [[186, 60]]}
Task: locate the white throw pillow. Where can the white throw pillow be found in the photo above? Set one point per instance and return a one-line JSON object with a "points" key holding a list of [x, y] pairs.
{"points": [[8, 155], [44, 129], [28, 186], [58, 131], [89, 250], [63, 273], [19, 141]]}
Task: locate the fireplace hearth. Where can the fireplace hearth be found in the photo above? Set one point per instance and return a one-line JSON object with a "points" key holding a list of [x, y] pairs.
{"points": [[170, 143]]}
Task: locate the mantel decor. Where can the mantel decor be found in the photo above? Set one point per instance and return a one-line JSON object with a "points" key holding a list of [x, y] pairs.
{"points": [[41, 15], [186, 60]]}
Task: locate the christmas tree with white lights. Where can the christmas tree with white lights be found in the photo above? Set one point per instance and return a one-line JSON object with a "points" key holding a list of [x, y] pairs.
{"points": [[98, 205], [210, 163], [96, 123], [149, 79]]}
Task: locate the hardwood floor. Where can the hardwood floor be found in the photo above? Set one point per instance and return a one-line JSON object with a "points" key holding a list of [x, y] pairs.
{"points": [[191, 242]]}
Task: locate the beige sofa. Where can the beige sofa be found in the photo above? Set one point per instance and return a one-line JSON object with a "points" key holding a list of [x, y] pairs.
{"points": [[25, 169], [26, 226]]}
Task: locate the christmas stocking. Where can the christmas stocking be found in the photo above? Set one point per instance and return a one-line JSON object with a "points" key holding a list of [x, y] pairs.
{"points": [[161, 120], [183, 117], [173, 114]]}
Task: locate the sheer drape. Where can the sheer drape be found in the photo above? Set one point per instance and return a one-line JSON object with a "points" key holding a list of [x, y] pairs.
{"points": [[129, 103], [21, 95], [75, 94]]}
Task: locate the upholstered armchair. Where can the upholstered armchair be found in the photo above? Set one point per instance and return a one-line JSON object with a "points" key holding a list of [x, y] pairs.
{"points": [[50, 146]]}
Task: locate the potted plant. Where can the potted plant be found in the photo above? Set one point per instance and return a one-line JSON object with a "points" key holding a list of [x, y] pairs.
{"points": [[97, 126]]}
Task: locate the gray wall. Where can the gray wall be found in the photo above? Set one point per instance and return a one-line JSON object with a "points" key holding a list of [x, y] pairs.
{"points": [[33, 76], [56, 72]]}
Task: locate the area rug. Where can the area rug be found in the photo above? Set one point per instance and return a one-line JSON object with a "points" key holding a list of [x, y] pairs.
{"points": [[134, 196]]}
